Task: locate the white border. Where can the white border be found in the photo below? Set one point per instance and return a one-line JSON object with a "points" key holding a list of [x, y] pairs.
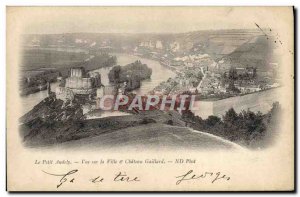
{"points": [[5, 3]]}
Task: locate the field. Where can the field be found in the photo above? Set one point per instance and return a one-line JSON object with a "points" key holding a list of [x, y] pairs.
{"points": [[33, 59]]}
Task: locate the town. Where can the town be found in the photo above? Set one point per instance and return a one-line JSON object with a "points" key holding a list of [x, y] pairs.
{"points": [[199, 74]]}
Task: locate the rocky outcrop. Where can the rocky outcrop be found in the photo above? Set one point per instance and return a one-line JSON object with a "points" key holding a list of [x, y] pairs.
{"points": [[51, 110], [49, 115]]}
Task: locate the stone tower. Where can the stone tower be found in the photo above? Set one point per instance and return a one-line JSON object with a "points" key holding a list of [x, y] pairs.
{"points": [[49, 88]]}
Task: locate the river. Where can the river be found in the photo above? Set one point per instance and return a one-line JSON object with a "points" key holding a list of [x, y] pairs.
{"points": [[260, 101], [159, 74]]}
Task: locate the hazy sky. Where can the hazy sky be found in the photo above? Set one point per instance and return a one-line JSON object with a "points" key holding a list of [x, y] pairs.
{"points": [[43, 20]]}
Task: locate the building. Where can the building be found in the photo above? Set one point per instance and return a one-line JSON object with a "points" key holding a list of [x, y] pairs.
{"points": [[159, 44], [79, 82], [106, 90], [251, 71], [174, 46], [82, 83], [246, 89], [64, 94], [110, 90]]}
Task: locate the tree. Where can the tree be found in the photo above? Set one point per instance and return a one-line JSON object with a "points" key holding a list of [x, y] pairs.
{"points": [[231, 125], [212, 120], [114, 74], [254, 73], [233, 74], [230, 116], [248, 128], [275, 108]]}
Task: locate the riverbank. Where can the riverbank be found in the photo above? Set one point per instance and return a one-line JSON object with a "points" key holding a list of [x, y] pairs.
{"points": [[230, 96], [43, 65], [159, 72], [259, 101], [171, 68]]}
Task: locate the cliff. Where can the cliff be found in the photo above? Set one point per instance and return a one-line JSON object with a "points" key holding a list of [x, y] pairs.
{"points": [[52, 110]]}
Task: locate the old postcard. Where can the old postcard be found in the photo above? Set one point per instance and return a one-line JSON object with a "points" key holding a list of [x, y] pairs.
{"points": [[150, 99]]}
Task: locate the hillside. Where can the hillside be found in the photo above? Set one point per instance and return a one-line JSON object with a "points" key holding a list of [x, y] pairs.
{"points": [[153, 137], [52, 124], [255, 53], [216, 43]]}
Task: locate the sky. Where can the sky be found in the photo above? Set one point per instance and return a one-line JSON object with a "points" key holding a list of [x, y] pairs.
{"points": [[51, 20]]}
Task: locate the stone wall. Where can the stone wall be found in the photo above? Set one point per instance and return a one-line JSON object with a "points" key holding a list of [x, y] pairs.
{"points": [[79, 83]]}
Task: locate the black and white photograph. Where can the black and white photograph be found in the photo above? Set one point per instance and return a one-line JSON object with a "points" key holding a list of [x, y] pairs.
{"points": [[88, 85]]}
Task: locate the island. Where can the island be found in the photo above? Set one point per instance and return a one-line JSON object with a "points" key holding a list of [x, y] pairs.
{"points": [[132, 74]]}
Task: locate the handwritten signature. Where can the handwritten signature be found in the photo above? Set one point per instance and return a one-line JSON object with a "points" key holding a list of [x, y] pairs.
{"points": [[190, 175]]}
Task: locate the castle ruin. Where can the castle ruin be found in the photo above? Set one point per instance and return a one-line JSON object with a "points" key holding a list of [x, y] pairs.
{"points": [[79, 82]]}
